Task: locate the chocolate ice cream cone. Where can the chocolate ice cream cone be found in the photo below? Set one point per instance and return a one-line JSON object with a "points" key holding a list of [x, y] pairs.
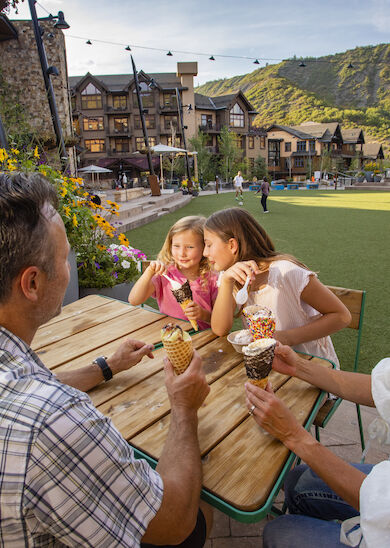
{"points": [[184, 298], [258, 358]]}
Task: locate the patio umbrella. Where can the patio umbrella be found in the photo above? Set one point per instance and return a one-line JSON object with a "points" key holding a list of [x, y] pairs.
{"points": [[165, 149], [95, 170]]}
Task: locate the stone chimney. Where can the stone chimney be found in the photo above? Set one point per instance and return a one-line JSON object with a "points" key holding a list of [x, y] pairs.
{"points": [[186, 73]]}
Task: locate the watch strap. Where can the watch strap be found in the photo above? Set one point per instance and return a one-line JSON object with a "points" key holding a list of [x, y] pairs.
{"points": [[101, 362]]}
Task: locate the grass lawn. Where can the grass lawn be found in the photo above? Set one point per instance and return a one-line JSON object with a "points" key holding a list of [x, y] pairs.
{"points": [[342, 235]]}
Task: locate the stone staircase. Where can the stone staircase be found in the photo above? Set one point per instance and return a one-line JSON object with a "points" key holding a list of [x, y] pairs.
{"points": [[144, 209]]}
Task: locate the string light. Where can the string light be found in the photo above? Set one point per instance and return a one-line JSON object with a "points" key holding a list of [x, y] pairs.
{"points": [[256, 61]]}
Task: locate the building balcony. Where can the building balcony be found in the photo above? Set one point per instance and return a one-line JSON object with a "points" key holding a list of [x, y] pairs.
{"points": [[117, 152], [116, 110], [165, 109], [210, 128], [119, 133]]}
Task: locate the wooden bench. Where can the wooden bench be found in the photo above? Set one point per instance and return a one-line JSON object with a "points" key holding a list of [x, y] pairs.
{"points": [[354, 300]]}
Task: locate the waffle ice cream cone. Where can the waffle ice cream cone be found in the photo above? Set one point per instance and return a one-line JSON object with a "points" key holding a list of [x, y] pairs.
{"points": [[178, 346], [184, 298], [261, 321], [258, 358]]}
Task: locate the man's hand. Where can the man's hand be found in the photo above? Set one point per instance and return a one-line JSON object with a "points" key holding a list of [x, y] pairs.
{"points": [[188, 390], [285, 360], [129, 354], [272, 415]]}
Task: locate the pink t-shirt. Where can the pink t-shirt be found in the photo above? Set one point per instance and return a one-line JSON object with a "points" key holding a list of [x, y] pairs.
{"points": [[204, 294]]}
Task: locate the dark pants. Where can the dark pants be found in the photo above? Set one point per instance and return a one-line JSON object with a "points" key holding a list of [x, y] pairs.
{"points": [[264, 201], [196, 539]]}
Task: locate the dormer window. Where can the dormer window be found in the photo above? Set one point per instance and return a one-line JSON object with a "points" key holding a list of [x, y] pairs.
{"points": [[91, 97], [237, 116], [146, 94]]}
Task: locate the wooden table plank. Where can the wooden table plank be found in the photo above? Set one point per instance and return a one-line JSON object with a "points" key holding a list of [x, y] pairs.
{"points": [[244, 467], [149, 400], [78, 307], [223, 410], [147, 367], [81, 343], [75, 324]]}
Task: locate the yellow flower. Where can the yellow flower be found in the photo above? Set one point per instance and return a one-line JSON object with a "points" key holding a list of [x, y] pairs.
{"points": [[101, 247], [3, 154], [74, 220], [36, 153], [67, 211], [11, 165], [14, 151], [63, 192], [123, 240]]}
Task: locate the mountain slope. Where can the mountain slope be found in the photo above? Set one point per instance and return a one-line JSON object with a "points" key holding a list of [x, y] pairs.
{"points": [[325, 90]]}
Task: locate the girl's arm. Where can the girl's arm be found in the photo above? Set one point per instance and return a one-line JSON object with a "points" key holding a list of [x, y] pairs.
{"points": [[335, 315], [143, 288], [223, 310]]}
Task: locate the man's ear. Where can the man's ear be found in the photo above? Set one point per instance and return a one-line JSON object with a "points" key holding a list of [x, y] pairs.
{"points": [[233, 245], [31, 279]]}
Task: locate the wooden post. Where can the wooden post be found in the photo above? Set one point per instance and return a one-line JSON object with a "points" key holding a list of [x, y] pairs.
{"points": [[155, 187]]}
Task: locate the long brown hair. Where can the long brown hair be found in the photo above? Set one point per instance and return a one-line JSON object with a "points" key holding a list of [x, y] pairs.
{"points": [[194, 223], [253, 241]]}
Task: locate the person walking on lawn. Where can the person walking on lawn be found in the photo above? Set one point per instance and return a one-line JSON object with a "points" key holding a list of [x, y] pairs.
{"points": [[237, 182], [265, 190]]}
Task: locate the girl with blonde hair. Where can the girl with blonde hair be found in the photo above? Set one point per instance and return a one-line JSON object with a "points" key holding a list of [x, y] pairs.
{"points": [[306, 311], [181, 258]]}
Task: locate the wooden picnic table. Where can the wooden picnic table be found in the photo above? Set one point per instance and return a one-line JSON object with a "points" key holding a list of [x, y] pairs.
{"points": [[243, 466]]}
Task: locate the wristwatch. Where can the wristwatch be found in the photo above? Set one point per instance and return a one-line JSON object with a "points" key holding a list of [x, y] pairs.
{"points": [[101, 362]]}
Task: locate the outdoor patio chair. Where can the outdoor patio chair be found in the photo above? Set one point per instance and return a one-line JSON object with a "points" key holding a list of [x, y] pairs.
{"points": [[354, 300]]}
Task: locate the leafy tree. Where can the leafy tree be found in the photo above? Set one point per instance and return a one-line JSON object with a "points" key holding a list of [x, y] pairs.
{"points": [[229, 153], [260, 169], [206, 163]]}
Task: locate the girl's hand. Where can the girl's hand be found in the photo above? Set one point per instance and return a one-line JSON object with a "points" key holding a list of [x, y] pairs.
{"points": [[195, 312], [157, 267], [240, 271], [272, 414]]}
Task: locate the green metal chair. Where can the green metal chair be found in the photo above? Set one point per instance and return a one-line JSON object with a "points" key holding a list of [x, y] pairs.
{"points": [[354, 300]]}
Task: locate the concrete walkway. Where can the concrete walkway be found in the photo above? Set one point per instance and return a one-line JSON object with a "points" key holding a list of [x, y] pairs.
{"points": [[341, 436]]}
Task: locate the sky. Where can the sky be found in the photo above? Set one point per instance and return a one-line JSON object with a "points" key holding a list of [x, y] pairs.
{"points": [[268, 31]]}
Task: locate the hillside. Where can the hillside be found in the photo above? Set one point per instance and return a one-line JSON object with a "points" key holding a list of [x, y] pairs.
{"points": [[325, 90]]}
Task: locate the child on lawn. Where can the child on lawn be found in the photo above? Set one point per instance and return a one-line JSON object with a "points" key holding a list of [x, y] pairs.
{"points": [[306, 311], [181, 258]]}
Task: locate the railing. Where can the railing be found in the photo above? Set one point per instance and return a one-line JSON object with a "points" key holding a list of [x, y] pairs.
{"points": [[210, 127]]}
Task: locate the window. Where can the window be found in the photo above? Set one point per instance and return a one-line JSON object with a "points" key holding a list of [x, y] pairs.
{"points": [[273, 153], [312, 146], [251, 164], [209, 141], [301, 146], [299, 161], [140, 142], [95, 145], [174, 143], [251, 142], [169, 100], [119, 102], [170, 121], [236, 116], [121, 125], [73, 102], [121, 145], [76, 126], [239, 141], [262, 141], [91, 97], [287, 146], [150, 121], [146, 95], [207, 121], [93, 124]]}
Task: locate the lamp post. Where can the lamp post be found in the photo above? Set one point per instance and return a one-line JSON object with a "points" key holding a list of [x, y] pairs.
{"points": [[180, 113], [142, 115], [3, 136], [46, 71]]}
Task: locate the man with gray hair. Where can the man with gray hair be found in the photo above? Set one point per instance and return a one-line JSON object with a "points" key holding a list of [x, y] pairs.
{"points": [[67, 475]]}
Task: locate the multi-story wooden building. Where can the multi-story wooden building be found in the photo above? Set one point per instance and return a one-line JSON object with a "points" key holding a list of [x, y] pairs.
{"points": [[107, 120]]}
